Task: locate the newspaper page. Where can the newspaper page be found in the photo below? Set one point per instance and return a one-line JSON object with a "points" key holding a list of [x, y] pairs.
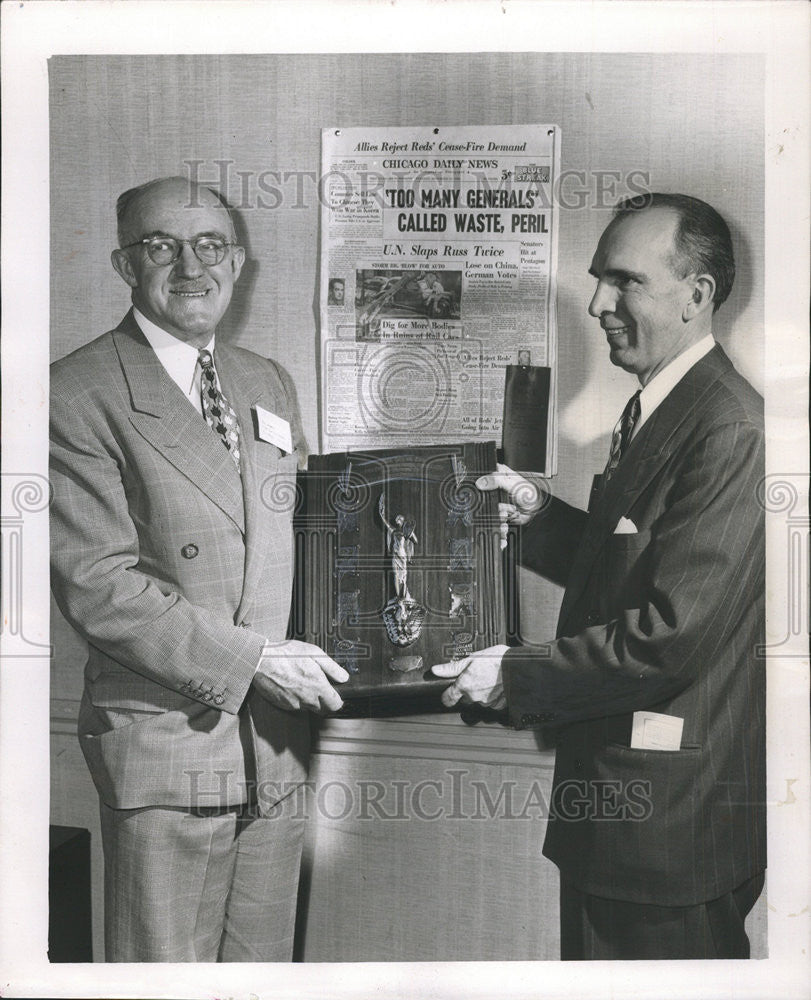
{"points": [[438, 268]]}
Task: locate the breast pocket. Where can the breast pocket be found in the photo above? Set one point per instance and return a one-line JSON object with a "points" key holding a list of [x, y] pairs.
{"points": [[624, 570], [279, 492]]}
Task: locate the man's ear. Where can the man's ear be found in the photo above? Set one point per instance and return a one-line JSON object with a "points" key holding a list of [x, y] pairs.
{"points": [[702, 297], [237, 260], [123, 265]]}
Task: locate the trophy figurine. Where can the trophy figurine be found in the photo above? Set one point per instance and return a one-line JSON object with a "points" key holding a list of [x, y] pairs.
{"points": [[403, 616]]}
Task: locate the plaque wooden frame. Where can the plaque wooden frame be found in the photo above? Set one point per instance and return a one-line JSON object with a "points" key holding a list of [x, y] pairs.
{"points": [[349, 568]]}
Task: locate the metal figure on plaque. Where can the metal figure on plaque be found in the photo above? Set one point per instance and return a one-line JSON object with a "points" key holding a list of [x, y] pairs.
{"points": [[402, 616]]}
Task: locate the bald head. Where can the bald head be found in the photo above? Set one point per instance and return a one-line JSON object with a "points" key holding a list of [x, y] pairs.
{"points": [[172, 193]]}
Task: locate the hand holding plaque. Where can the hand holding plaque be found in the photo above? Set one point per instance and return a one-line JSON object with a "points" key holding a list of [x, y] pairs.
{"points": [[478, 679], [526, 498], [295, 675]]}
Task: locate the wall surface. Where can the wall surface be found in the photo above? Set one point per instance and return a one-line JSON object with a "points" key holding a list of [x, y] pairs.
{"points": [[376, 887]]}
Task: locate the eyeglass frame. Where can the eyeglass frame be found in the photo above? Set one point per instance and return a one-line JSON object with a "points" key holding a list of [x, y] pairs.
{"points": [[146, 240]]}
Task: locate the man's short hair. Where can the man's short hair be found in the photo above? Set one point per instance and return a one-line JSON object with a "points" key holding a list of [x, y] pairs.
{"points": [[125, 201], [702, 240]]}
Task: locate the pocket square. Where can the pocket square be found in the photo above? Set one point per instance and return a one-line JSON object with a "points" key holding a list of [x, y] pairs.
{"points": [[625, 526]]}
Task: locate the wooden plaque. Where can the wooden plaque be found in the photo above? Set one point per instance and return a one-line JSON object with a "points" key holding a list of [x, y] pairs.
{"points": [[398, 567]]}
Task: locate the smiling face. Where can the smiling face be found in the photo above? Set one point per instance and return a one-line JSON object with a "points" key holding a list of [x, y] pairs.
{"points": [[186, 298], [643, 305]]}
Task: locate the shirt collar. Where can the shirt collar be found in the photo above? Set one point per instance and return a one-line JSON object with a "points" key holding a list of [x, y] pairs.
{"points": [[665, 380], [177, 357]]}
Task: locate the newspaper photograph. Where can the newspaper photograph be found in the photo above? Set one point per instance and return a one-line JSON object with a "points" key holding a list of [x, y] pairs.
{"points": [[438, 265]]}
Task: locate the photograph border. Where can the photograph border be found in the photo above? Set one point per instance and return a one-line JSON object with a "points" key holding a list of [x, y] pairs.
{"points": [[32, 32]]}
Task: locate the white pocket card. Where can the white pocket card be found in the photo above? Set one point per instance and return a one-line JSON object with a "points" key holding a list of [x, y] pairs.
{"points": [[273, 429], [625, 526], [652, 731]]}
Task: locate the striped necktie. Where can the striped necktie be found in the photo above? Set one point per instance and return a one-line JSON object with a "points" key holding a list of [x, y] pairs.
{"points": [[216, 408], [623, 431]]}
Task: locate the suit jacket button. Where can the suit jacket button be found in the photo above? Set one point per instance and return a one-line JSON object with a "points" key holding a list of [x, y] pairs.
{"points": [[189, 551], [592, 618], [208, 696], [218, 699]]}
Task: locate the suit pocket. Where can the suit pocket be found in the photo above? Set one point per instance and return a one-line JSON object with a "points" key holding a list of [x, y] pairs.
{"points": [[120, 718], [622, 750], [634, 542], [667, 780], [635, 823], [124, 690], [627, 791], [624, 565], [278, 489]]}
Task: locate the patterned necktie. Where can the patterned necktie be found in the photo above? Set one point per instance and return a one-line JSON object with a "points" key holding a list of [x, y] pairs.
{"points": [[216, 408], [621, 437]]}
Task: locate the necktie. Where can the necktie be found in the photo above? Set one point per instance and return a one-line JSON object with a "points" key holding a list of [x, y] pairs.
{"points": [[621, 437], [216, 408]]}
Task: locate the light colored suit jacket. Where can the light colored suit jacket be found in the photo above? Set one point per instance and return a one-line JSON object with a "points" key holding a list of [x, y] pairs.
{"points": [[176, 570], [667, 619]]}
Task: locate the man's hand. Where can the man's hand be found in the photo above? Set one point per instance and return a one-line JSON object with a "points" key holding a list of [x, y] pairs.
{"points": [[293, 675], [525, 498], [478, 678]]}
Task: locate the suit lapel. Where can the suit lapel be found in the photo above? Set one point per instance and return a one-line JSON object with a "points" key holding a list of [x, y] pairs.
{"points": [[649, 451], [165, 418], [244, 389]]}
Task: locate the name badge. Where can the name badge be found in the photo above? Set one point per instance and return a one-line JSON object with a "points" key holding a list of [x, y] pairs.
{"points": [[273, 429]]}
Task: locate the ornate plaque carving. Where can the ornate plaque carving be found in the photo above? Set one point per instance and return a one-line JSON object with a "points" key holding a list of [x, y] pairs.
{"points": [[398, 567]]}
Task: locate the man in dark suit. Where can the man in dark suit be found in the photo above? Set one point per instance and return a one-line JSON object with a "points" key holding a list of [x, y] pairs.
{"points": [[173, 473], [654, 682]]}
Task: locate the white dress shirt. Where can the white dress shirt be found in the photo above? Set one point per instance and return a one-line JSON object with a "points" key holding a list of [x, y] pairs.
{"points": [[177, 357], [664, 381]]}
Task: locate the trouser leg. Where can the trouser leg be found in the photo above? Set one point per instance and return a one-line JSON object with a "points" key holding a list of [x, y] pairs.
{"points": [[261, 908], [167, 875]]}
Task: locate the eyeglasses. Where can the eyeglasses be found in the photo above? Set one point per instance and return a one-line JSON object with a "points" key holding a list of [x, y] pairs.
{"points": [[163, 250]]}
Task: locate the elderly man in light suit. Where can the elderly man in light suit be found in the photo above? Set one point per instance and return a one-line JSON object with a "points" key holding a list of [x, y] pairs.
{"points": [[174, 458], [654, 680]]}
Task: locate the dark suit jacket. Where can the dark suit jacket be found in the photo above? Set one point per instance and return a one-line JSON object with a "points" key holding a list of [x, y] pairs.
{"points": [[176, 571], [667, 619]]}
